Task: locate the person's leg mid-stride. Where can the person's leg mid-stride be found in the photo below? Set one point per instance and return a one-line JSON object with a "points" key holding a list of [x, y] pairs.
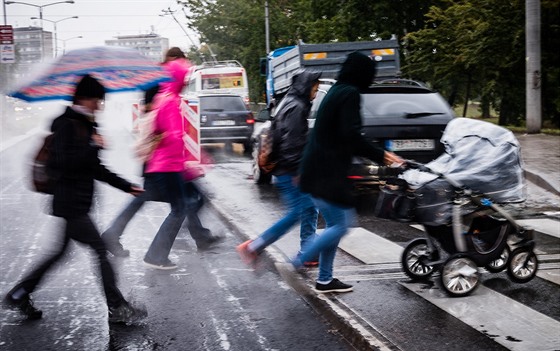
{"points": [[338, 220]]}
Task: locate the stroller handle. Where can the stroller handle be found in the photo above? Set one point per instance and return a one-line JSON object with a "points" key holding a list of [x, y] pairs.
{"points": [[419, 166]]}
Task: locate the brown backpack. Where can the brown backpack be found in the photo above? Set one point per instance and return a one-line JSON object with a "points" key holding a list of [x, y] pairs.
{"points": [[267, 158]]}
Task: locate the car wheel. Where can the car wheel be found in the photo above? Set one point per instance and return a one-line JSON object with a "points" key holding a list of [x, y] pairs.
{"points": [[228, 147], [248, 147]]}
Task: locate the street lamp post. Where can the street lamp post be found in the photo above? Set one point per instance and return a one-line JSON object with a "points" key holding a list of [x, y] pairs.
{"points": [[40, 7], [55, 31], [65, 40]]}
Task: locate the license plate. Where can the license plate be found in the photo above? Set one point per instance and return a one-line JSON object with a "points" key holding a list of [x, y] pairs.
{"points": [[226, 122], [412, 144]]}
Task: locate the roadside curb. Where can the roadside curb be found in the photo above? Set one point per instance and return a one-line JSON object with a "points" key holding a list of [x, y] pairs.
{"points": [[362, 335]]}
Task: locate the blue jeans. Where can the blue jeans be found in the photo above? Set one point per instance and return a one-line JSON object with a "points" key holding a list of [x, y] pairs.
{"points": [[338, 220], [171, 187], [300, 209]]}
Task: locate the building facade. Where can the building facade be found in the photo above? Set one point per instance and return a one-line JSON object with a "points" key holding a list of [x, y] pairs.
{"points": [[150, 45], [32, 45]]}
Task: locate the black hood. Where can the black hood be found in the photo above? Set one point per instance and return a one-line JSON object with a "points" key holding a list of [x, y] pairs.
{"points": [[302, 82], [357, 70]]}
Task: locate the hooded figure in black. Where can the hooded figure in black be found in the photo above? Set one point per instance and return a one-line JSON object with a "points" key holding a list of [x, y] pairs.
{"points": [[290, 122], [290, 128], [335, 138]]}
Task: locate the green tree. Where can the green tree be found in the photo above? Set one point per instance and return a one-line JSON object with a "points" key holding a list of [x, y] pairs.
{"points": [[463, 48], [473, 46], [550, 62]]}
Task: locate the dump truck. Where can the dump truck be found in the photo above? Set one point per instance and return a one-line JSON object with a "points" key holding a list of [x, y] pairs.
{"points": [[280, 64]]}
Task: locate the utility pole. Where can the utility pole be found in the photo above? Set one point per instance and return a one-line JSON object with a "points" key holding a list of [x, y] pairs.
{"points": [[5, 14], [266, 27], [533, 66]]}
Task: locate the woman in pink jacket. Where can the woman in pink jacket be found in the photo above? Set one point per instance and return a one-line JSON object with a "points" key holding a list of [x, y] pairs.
{"points": [[163, 173]]}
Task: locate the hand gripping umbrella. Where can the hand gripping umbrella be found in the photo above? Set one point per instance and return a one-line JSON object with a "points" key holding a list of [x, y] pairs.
{"points": [[118, 69]]}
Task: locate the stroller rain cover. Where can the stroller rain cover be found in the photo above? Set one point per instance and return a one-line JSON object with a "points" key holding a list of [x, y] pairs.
{"points": [[480, 156]]}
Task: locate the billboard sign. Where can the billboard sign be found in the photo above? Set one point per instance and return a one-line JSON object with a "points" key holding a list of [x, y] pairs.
{"points": [[6, 34]]}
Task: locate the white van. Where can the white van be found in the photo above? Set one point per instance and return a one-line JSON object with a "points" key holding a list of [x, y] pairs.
{"points": [[222, 77]]}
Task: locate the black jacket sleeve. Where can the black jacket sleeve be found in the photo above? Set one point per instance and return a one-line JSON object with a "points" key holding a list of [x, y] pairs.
{"points": [[352, 129]]}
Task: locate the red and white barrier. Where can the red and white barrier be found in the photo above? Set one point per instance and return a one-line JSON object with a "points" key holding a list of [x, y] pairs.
{"points": [[189, 109]]}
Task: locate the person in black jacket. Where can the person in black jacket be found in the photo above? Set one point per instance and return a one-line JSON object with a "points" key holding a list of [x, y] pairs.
{"points": [[290, 128], [75, 163], [335, 139]]}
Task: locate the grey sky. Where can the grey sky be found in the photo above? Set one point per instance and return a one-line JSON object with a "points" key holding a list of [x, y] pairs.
{"points": [[100, 20]]}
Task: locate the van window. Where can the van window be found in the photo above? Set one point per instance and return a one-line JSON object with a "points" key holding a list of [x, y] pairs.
{"points": [[222, 103]]}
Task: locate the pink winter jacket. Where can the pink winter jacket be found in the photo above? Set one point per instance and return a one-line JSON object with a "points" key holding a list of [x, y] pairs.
{"points": [[170, 154]]}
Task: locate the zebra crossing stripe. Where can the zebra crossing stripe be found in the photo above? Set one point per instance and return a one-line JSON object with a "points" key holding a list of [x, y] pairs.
{"points": [[506, 321], [369, 247]]}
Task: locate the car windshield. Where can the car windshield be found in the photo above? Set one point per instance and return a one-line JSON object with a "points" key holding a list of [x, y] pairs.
{"points": [[222, 103], [403, 105]]}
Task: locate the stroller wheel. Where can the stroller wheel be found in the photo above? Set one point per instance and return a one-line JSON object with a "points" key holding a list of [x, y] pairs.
{"points": [[523, 265], [414, 260], [459, 276], [500, 263]]}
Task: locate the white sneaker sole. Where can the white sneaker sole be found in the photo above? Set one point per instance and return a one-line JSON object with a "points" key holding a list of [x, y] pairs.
{"points": [[156, 266]]}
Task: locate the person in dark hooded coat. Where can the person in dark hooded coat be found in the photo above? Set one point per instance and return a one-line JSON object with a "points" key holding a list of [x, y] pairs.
{"points": [[335, 139], [290, 128]]}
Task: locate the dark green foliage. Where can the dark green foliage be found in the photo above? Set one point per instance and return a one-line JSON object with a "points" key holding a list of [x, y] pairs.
{"points": [[466, 49]]}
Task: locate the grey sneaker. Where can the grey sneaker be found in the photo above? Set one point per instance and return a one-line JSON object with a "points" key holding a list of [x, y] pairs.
{"points": [[116, 249], [113, 245], [334, 286], [126, 313], [209, 243]]}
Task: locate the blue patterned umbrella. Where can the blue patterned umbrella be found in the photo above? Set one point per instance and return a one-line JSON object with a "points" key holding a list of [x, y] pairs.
{"points": [[118, 69]]}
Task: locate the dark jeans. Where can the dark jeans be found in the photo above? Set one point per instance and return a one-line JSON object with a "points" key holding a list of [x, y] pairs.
{"points": [[194, 202], [172, 188], [84, 231]]}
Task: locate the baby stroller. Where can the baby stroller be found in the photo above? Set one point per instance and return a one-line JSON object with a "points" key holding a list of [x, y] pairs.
{"points": [[457, 198]]}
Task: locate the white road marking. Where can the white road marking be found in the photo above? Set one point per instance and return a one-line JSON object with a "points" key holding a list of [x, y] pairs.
{"points": [[508, 322], [369, 247], [512, 324]]}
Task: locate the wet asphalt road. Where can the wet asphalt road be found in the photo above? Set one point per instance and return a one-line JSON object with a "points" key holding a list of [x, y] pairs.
{"points": [[212, 302]]}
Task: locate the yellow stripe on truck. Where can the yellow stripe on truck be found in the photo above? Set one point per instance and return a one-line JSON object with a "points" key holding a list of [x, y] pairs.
{"points": [[382, 52], [315, 56]]}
